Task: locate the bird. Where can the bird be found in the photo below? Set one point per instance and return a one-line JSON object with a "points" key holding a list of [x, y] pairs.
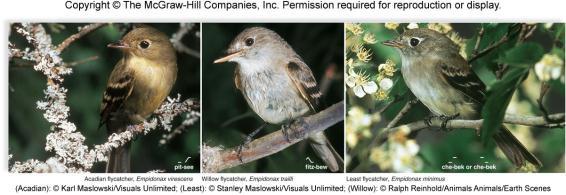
{"points": [[277, 84], [138, 84], [444, 82]]}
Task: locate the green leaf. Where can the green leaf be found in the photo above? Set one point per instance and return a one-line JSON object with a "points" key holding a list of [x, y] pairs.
{"points": [[523, 55], [558, 31], [498, 98]]}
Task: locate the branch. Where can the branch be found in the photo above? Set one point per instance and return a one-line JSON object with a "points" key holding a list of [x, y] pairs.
{"points": [[82, 32], [178, 36], [216, 159], [535, 121]]}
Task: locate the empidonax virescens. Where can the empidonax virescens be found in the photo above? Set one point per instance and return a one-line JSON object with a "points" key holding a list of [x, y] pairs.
{"points": [[137, 86]]}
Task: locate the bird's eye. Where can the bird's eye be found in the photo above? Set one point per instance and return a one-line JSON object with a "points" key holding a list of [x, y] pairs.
{"points": [[249, 42], [414, 42], [144, 44]]}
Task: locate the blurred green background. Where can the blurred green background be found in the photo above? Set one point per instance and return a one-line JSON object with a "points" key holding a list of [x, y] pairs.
{"points": [[437, 147], [85, 86], [320, 46]]}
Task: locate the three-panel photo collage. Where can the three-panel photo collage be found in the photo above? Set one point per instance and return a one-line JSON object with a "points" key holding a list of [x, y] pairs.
{"points": [[286, 98]]}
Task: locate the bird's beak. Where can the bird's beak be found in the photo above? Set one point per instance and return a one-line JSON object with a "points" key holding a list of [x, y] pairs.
{"points": [[228, 57], [119, 45], [393, 43]]}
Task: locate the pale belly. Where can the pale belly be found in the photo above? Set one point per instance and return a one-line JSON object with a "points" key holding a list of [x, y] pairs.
{"points": [[441, 100], [273, 97]]}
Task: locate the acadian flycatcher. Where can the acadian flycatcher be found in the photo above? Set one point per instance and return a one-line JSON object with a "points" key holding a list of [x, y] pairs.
{"points": [[137, 86]]}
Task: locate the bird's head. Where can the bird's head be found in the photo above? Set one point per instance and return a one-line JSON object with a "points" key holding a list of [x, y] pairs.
{"points": [[422, 42], [256, 44], [146, 42]]}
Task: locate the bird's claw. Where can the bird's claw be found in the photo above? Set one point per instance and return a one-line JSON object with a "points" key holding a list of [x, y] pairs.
{"points": [[247, 141], [239, 152], [428, 121], [445, 120], [285, 129], [294, 129]]}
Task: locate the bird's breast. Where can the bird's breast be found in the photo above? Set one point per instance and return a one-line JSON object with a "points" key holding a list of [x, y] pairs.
{"points": [[151, 86], [272, 95]]}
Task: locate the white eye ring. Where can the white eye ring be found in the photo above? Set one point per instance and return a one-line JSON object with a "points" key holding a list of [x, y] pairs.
{"points": [[414, 41]]}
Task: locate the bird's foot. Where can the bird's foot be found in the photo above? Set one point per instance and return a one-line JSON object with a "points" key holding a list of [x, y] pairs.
{"points": [[298, 127], [247, 140], [294, 130], [445, 120], [285, 129], [239, 151], [428, 120]]}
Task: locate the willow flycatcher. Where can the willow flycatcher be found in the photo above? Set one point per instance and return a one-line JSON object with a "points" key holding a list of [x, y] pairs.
{"points": [[277, 84]]}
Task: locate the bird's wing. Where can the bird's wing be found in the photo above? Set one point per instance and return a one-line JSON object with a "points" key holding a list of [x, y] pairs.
{"points": [[459, 75], [304, 82], [119, 88]]}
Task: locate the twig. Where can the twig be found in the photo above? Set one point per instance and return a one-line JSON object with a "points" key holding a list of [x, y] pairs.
{"points": [[191, 118], [177, 37], [82, 32], [524, 33], [489, 48], [216, 159], [237, 118], [478, 40], [402, 113], [74, 63], [14, 51], [544, 87], [395, 120], [535, 121]]}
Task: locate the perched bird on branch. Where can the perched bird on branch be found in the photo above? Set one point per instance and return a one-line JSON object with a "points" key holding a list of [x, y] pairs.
{"points": [[277, 84], [444, 82], [137, 86]]}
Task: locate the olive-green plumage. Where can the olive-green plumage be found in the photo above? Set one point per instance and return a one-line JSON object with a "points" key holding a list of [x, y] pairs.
{"points": [[137, 86], [444, 82]]}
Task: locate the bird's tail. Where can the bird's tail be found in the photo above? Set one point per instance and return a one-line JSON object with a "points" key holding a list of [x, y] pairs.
{"points": [[119, 160], [326, 152], [513, 149]]}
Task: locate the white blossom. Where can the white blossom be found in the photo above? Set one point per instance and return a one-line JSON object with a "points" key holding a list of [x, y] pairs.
{"points": [[386, 83], [412, 25], [550, 67]]}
